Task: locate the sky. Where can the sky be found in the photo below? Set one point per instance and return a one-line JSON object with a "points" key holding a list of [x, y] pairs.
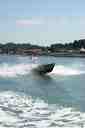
{"points": [[42, 22]]}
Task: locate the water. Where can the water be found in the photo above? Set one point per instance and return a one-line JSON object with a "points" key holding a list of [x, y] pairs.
{"points": [[28, 100]]}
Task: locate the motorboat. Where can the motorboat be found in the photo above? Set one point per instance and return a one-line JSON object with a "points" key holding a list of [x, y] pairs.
{"points": [[44, 68]]}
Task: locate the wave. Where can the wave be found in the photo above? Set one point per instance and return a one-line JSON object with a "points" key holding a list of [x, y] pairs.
{"points": [[7, 70], [19, 110]]}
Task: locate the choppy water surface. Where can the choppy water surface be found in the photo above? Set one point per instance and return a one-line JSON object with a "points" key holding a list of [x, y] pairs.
{"points": [[28, 100]]}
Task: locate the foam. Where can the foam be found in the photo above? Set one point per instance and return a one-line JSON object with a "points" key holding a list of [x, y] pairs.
{"points": [[66, 71], [15, 70], [19, 110]]}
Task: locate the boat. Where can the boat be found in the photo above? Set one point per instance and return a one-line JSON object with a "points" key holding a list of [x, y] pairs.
{"points": [[44, 68]]}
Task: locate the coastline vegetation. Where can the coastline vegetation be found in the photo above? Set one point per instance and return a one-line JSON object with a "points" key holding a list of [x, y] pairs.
{"points": [[75, 48]]}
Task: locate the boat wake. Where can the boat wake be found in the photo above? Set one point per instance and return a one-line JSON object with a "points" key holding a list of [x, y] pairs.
{"points": [[7, 70], [21, 69], [22, 111]]}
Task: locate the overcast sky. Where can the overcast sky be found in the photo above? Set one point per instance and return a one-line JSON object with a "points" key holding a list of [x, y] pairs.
{"points": [[42, 22]]}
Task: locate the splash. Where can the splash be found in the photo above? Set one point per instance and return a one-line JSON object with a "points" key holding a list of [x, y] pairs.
{"points": [[22, 111], [63, 70], [15, 70]]}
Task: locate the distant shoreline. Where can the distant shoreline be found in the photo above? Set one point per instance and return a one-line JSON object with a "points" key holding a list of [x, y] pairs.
{"points": [[72, 49], [50, 54], [67, 55]]}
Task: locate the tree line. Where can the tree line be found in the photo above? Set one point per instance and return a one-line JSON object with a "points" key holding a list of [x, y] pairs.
{"points": [[75, 45]]}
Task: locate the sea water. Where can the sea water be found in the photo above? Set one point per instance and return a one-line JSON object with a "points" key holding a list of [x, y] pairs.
{"points": [[28, 100]]}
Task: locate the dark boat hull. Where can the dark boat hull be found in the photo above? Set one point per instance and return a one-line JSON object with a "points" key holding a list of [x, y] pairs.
{"points": [[44, 69]]}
